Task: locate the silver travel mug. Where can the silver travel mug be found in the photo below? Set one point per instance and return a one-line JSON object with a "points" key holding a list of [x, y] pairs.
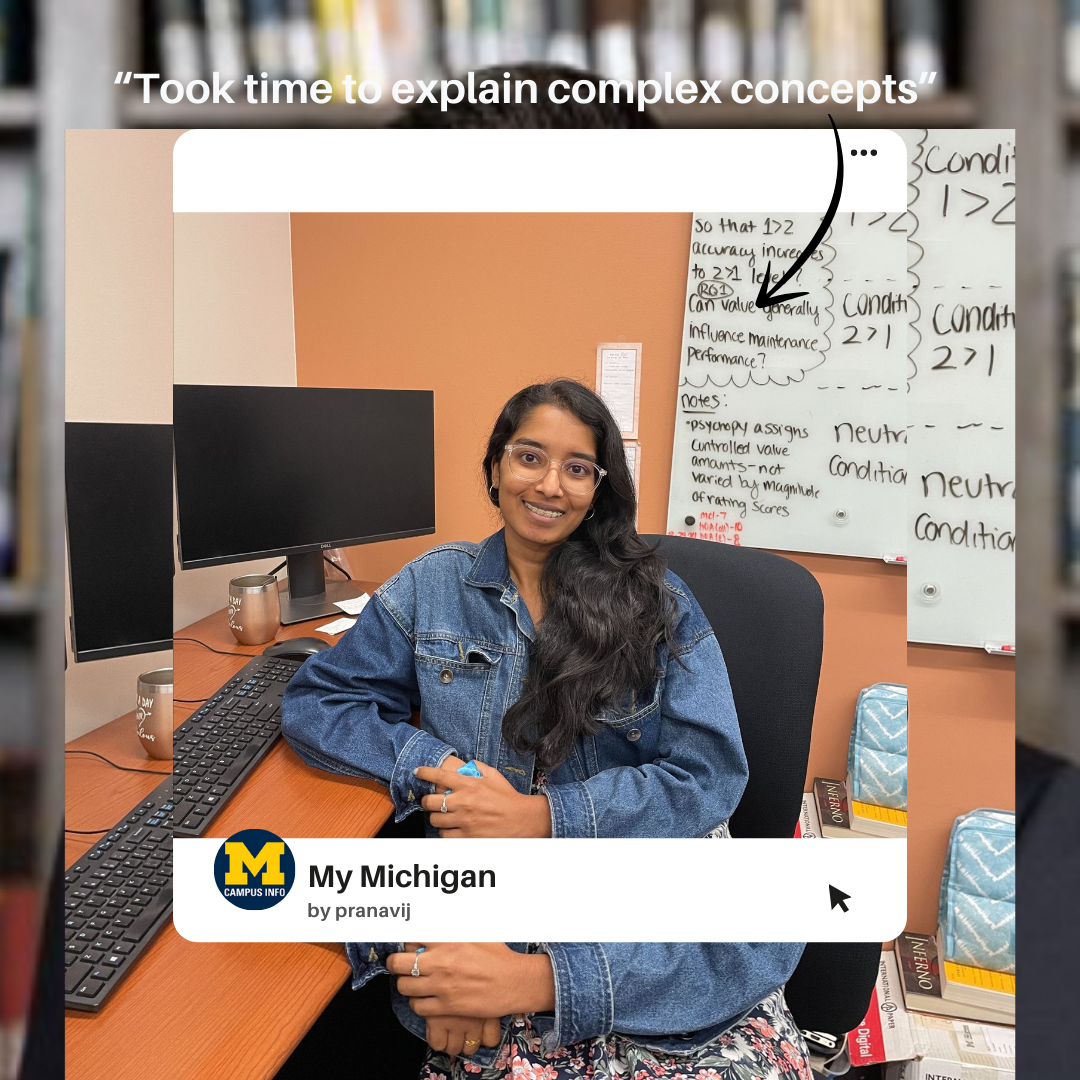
{"points": [[154, 712], [254, 608]]}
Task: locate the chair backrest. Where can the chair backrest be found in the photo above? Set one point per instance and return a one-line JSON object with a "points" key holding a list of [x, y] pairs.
{"points": [[768, 616], [831, 986]]}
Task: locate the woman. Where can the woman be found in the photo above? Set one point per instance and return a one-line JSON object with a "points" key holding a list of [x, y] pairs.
{"points": [[587, 684]]}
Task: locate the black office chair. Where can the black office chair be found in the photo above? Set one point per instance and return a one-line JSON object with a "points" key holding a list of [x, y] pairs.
{"points": [[768, 616]]}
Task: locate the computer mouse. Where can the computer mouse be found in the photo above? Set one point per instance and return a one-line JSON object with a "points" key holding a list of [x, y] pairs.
{"points": [[297, 648]]}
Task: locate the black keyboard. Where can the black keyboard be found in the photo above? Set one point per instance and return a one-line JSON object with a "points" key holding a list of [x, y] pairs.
{"points": [[216, 747], [116, 898]]}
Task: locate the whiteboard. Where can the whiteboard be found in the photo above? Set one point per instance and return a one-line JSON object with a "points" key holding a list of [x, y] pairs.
{"points": [[790, 428], [962, 373]]}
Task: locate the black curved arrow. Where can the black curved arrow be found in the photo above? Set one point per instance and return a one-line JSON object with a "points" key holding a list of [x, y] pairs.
{"points": [[766, 296]]}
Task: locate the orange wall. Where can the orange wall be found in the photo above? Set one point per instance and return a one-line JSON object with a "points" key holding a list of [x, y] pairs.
{"points": [[961, 746], [476, 306]]}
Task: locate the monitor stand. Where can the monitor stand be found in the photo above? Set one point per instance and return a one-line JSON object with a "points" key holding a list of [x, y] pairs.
{"points": [[310, 595]]}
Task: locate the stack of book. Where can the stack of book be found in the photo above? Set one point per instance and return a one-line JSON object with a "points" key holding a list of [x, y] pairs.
{"points": [[953, 1050], [622, 39], [848, 819], [933, 985], [910, 1045], [809, 824]]}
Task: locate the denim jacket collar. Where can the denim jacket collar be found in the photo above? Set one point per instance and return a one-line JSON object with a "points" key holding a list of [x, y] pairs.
{"points": [[491, 570]]}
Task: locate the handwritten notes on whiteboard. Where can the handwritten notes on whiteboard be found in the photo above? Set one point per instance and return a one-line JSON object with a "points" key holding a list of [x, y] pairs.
{"points": [[961, 527], [874, 415], [791, 425]]}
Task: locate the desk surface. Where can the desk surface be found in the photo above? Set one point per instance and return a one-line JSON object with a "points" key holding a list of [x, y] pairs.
{"points": [[203, 1011]]}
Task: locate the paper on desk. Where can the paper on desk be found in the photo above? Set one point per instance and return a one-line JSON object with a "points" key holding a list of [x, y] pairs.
{"points": [[338, 626], [354, 606]]}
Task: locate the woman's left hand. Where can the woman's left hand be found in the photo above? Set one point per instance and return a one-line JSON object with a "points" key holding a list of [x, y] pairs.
{"points": [[486, 805], [453, 1035], [473, 979]]}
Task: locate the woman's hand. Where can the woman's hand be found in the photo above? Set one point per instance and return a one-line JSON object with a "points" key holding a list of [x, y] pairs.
{"points": [[485, 805], [473, 979], [453, 1035]]}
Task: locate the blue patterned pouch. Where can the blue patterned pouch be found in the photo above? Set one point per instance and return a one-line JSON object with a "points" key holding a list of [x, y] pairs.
{"points": [[877, 752], [977, 907]]}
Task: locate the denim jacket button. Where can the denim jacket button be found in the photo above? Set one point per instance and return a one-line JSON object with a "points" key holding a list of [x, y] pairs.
{"points": [[446, 675], [633, 734]]}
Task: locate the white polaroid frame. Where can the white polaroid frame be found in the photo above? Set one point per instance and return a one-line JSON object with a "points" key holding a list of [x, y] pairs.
{"points": [[568, 171]]}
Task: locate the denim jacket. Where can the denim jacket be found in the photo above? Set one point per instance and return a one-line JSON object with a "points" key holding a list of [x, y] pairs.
{"points": [[673, 997], [449, 635]]}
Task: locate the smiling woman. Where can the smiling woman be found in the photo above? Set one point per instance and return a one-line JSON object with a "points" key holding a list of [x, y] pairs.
{"points": [[586, 684], [559, 654]]}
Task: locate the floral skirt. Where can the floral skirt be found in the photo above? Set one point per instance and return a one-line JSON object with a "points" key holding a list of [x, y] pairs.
{"points": [[764, 1045]]}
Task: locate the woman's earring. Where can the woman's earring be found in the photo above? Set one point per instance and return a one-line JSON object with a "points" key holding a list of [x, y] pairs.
{"points": [[493, 494], [591, 513]]}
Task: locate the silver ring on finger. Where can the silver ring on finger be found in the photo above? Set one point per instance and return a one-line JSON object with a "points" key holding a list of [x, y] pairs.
{"points": [[442, 809], [416, 963]]}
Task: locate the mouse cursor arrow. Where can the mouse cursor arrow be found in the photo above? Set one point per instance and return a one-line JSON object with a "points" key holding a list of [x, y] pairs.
{"points": [[837, 898], [769, 295]]}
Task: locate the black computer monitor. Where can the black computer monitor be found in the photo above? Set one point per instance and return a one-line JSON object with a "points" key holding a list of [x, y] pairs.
{"points": [[285, 470], [119, 525]]}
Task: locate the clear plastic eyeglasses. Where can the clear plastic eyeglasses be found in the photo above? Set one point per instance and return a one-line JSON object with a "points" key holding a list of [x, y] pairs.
{"points": [[531, 463]]}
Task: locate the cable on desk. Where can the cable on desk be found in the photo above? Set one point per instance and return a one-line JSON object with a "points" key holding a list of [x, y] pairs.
{"points": [[337, 566], [190, 700], [326, 558], [86, 832], [123, 768], [223, 652]]}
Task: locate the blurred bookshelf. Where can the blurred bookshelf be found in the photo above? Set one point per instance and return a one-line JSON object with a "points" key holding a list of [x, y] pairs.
{"points": [[1001, 64], [27, 682], [31, 692], [385, 40]]}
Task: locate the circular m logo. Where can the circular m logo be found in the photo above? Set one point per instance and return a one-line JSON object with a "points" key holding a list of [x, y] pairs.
{"points": [[254, 869]]}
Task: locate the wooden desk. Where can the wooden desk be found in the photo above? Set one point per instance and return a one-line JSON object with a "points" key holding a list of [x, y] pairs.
{"points": [[202, 1011]]}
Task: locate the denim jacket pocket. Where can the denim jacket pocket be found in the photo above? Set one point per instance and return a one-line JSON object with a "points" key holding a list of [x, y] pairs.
{"points": [[456, 678], [636, 726]]}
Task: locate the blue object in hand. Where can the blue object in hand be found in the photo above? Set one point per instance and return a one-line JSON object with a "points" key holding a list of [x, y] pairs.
{"points": [[469, 769]]}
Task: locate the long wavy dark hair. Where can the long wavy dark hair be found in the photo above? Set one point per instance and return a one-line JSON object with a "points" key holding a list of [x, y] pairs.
{"points": [[606, 606]]}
